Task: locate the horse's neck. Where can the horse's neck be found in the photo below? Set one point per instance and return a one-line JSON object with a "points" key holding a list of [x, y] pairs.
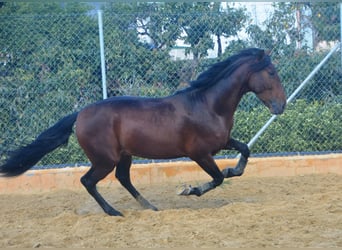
{"points": [[227, 94]]}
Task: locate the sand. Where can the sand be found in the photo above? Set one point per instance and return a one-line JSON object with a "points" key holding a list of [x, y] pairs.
{"points": [[301, 211]]}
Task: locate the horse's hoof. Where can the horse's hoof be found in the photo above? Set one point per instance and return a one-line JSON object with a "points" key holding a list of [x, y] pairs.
{"points": [[154, 208], [186, 190], [114, 212], [150, 206]]}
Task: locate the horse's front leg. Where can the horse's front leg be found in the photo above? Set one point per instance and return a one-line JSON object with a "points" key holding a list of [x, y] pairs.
{"points": [[208, 164], [240, 167]]}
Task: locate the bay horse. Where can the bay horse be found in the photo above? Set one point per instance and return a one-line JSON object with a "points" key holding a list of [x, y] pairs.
{"points": [[195, 122]]}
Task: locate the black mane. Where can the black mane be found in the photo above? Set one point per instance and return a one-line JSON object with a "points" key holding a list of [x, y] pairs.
{"points": [[225, 68]]}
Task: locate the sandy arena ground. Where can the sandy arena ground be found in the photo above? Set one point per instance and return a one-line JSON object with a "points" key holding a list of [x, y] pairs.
{"points": [[301, 211]]}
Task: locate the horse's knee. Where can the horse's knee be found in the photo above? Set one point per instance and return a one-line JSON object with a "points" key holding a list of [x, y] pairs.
{"points": [[239, 146], [245, 150]]}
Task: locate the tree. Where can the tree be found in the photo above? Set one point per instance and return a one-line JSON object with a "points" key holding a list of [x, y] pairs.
{"points": [[325, 21], [280, 33], [136, 65], [226, 22], [284, 30], [209, 21]]}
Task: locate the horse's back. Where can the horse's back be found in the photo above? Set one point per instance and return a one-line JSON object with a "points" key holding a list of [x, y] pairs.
{"points": [[127, 109]]}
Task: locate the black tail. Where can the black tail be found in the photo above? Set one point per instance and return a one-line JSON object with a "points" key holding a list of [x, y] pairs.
{"points": [[26, 157]]}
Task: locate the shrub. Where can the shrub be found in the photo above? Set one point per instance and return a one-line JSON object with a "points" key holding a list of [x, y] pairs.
{"points": [[304, 127]]}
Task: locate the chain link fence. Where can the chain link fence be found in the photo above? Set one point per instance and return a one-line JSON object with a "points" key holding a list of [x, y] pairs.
{"points": [[50, 65]]}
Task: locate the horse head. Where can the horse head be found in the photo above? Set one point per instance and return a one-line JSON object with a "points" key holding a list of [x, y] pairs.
{"points": [[265, 83]]}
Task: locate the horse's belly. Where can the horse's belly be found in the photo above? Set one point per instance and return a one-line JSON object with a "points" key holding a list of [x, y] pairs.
{"points": [[155, 151], [154, 144]]}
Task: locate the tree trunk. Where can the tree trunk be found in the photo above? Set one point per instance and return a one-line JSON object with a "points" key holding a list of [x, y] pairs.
{"points": [[219, 46]]}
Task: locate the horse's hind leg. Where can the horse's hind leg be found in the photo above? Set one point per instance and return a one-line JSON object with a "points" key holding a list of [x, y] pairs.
{"points": [[123, 175], [89, 181]]}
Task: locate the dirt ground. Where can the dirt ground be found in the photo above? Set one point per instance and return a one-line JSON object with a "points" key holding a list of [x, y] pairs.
{"points": [[301, 211]]}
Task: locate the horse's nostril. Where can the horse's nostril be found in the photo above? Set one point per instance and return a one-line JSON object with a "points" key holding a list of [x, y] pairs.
{"points": [[277, 107]]}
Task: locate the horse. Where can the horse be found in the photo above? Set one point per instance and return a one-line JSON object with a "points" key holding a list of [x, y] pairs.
{"points": [[194, 122]]}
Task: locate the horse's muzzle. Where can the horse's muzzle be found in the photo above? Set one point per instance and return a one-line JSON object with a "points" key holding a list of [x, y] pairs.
{"points": [[276, 107]]}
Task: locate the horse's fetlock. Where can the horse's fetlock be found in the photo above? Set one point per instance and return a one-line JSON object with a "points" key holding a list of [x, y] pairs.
{"points": [[218, 181], [196, 191], [232, 172], [238, 173]]}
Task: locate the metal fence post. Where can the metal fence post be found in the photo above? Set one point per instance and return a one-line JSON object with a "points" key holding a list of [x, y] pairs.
{"points": [[103, 63], [341, 32]]}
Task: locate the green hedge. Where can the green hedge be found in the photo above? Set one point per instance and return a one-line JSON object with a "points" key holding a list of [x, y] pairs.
{"points": [[304, 127]]}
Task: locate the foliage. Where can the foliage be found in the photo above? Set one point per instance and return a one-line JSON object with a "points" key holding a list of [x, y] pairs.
{"points": [[284, 31], [37, 53], [304, 127], [153, 30], [279, 33], [325, 20], [319, 88]]}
